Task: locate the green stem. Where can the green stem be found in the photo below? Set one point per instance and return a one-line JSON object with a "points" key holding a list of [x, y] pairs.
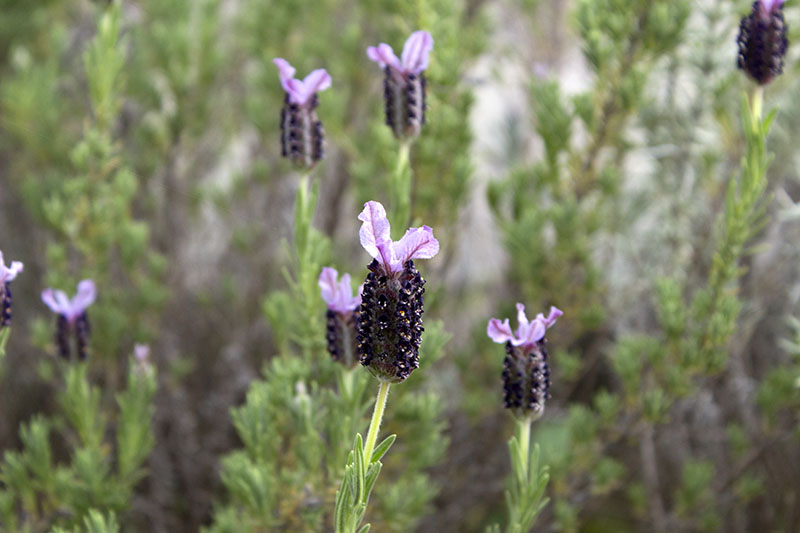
{"points": [[401, 188], [758, 101], [524, 427], [375, 424]]}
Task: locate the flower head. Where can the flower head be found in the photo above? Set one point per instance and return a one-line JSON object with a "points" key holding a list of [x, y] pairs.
{"points": [[417, 243], [301, 92], [302, 135], [763, 41], [390, 319], [342, 315], [526, 375], [72, 316], [404, 84], [7, 274]]}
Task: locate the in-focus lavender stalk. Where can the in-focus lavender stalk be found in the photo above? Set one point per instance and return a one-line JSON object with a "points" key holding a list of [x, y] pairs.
{"points": [[302, 135], [390, 321], [7, 275], [342, 316], [526, 376], [72, 317], [763, 41], [404, 84]]}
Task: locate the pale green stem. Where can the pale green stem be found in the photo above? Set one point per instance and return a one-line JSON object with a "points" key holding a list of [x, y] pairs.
{"points": [[375, 424], [525, 442], [401, 188], [758, 101]]}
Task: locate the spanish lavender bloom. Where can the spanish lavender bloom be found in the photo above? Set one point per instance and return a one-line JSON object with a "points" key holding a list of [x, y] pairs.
{"points": [[763, 41], [71, 316], [404, 84], [7, 274], [302, 135], [526, 376], [390, 321], [342, 315]]}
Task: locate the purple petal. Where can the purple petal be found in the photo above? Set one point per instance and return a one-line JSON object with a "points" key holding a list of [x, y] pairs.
{"points": [[285, 72], [16, 268], [522, 318], [416, 50], [499, 332], [375, 228], [317, 81], [530, 334], [384, 55], [417, 243], [327, 284], [771, 5], [554, 314], [141, 352], [387, 257], [87, 292], [57, 301]]}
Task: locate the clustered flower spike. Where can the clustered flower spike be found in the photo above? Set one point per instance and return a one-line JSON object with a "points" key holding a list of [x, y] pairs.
{"points": [[71, 317], [7, 274], [404, 83], [302, 136], [526, 376], [342, 315], [763, 41], [390, 320]]}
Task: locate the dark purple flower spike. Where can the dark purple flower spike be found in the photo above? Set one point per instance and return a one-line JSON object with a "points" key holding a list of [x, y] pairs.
{"points": [[404, 84], [390, 320], [71, 317], [342, 315], [7, 274], [763, 41], [302, 135], [526, 376]]}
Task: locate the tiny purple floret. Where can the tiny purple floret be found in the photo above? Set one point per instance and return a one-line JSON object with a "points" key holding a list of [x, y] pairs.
{"points": [[768, 6], [417, 243], [414, 58], [301, 91], [528, 333], [71, 310], [338, 294]]}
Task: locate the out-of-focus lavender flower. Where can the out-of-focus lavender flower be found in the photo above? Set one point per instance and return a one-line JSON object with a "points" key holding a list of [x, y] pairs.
{"points": [[526, 376], [404, 84], [342, 315], [7, 274], [763, 41], [302, 135], [71, 316], [141, 357], [390, 321]]}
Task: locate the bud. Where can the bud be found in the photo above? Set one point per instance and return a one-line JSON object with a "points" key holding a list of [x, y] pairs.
{"points": [[526, 376], [7, 274], [71, 317], [302, 135], [404, 83], [390, 321], [763, 41]]}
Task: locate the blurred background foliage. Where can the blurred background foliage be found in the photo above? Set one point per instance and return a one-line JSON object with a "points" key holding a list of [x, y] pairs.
{"points": [[576, 153]]}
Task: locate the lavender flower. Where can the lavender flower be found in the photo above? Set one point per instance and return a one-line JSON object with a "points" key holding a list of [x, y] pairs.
{"points": [[302, 135], [404, 84], [390, 321], [7, 274], [71, 316], [763, 41], [526, 376], [342, 315]]}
